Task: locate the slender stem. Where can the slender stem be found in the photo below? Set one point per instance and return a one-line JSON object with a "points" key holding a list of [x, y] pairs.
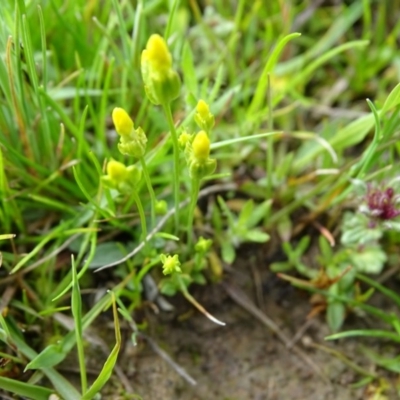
{"points": [[76, 307], [175, 145], [141, 214], [270, 143], [192, 300], [192, 207], [151, 191], [81, 358]]}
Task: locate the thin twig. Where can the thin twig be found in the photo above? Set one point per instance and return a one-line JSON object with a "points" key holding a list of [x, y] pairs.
{"points": [[203, 193]]}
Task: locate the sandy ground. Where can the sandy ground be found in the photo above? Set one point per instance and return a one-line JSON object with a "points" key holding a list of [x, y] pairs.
{"points": [[245, 360]]}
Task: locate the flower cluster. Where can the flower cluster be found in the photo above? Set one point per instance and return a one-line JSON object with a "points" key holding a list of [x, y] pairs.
{"points": [[203, 117], [382, 204], [197, 147]]}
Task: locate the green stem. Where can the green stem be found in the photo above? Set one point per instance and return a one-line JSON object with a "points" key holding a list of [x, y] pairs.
{"points": [[151, 191], [175, 145], [192, 207], [141, 214], [81, 358], [270, 144], [76, 307], [371, 150]]}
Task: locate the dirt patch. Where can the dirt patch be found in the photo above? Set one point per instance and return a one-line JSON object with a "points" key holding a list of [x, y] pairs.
{"points": [[244, 360]]}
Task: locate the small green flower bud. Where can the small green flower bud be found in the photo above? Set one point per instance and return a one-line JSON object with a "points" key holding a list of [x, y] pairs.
{"points": [[161, 207], [183, 139], [203, 117], [203, 245], [171, 264]]}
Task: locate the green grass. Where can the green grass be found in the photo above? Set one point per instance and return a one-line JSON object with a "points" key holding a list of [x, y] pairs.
{"points": [[289, 98]]}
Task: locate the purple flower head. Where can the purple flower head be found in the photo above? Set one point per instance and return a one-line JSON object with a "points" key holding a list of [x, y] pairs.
{"points": [[382, 203]]}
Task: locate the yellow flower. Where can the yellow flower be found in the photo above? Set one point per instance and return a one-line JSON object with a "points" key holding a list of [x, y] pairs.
{"points": [[116, 171], [201, 146], [203, 117], [120, 177], [132, 141], [171, 264], [197, 157], [122, 121], [157, 53], [202, 108], [161, 83]]}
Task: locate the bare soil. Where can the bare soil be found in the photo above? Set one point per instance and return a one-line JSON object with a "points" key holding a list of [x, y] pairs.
{"points": [[245, 360]]}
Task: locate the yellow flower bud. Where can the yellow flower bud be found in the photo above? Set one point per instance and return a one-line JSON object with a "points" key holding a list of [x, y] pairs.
{"points": [[202, 108], [121, 178], [122, 121], [197, 156], [157, 53], [203, 117], [201, 146], [162, 84], [116, 171]]}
